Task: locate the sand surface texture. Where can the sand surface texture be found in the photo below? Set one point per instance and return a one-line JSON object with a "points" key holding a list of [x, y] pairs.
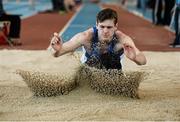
{"points": [[159, 93]]}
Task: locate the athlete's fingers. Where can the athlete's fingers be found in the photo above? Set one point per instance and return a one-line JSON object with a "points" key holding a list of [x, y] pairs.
{"points": [[55, 39]]}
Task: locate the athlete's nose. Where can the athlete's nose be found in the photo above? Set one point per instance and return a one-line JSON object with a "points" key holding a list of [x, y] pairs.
{"points": [[105, 30]]}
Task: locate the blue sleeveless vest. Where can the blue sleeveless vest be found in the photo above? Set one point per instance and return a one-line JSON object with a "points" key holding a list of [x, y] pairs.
{"points": [[109, 60]]}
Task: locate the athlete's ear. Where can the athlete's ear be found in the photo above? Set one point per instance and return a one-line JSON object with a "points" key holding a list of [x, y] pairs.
{"points": [[96, 23], [116, 26]]}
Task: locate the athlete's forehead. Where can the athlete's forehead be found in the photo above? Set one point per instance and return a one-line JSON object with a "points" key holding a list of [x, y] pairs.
{"points": [[108, 22]]}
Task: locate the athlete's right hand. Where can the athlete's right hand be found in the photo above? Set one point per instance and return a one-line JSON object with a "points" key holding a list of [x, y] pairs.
{"points": [[56, 42]]}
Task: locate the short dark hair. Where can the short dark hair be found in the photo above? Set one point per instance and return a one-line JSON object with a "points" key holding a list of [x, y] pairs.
{"points": [[107, 14]]}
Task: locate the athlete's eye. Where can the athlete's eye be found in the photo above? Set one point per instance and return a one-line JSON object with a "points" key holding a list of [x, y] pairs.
{"points": [[101, 26], [109, 27]]}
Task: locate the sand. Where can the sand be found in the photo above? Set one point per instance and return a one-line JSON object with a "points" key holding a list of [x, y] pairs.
{"points": [[159, 93]]}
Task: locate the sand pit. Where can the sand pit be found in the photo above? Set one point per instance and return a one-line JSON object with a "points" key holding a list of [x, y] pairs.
{"points": [[159, 94]]}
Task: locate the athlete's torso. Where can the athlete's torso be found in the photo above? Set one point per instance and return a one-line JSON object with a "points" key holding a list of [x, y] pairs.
{"points": [[105, 53]]}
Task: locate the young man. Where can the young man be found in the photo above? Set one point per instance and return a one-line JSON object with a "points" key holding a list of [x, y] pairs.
{"points": [[102, 44]]}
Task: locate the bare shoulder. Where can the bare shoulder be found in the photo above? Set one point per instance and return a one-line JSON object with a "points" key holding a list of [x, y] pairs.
{"points": [[87, 35], [122, 37], [120, 34], [84, 37]]}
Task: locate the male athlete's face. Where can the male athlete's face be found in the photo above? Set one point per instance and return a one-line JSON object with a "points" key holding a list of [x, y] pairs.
{"points": [[106, 30]]}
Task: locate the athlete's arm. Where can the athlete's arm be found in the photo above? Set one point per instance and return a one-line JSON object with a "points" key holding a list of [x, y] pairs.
{"points": [[75, 42], [130, 50]]}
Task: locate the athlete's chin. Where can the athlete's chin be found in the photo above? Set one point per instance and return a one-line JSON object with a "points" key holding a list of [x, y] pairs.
{"points": [[105, 38]]}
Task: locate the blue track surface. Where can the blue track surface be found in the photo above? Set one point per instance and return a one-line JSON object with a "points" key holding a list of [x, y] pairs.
{"points": [[85, 19]]}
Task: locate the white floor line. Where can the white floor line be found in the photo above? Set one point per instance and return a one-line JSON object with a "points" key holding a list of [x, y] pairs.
{"points": [[69, 22]]}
